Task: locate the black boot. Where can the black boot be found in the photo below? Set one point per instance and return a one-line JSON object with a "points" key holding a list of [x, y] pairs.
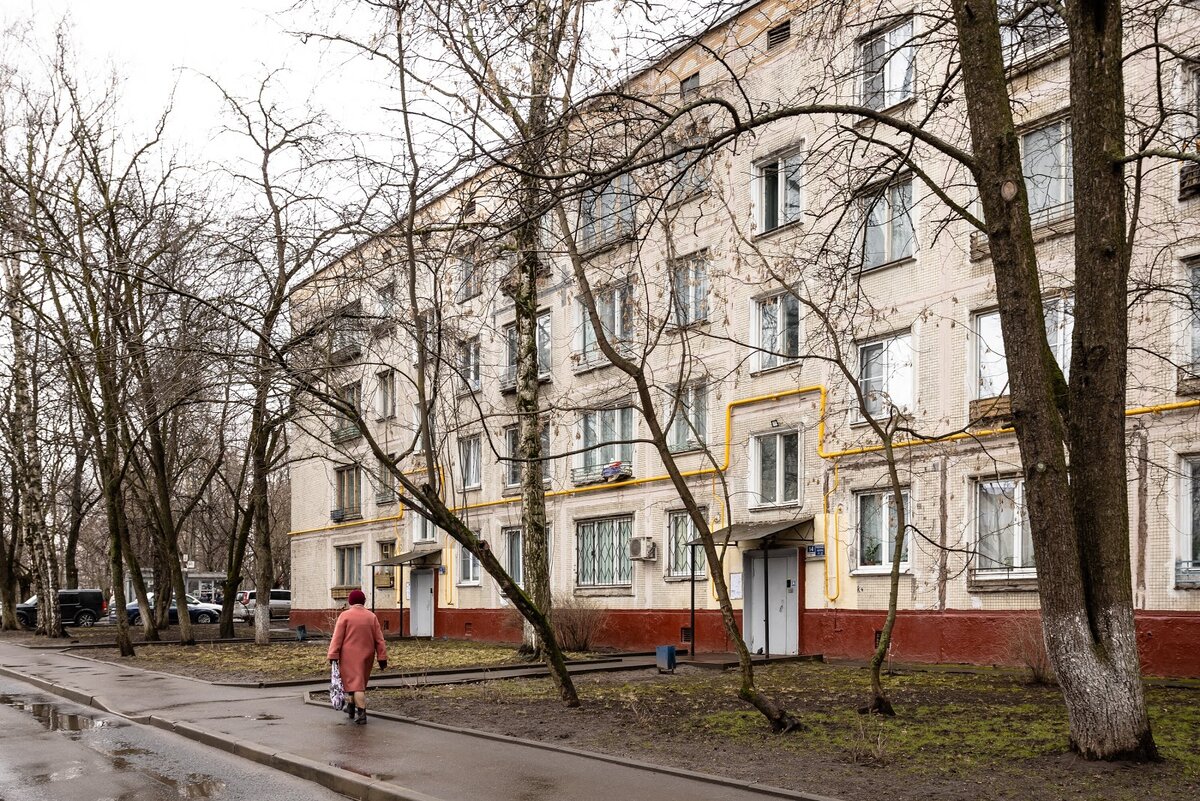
{"points": [[361, 717], [350, 709]]}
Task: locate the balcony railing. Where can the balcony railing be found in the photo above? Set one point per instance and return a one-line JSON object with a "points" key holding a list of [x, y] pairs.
{"points": [[1187, 573], [508, 377], [344, 432], [386, 496], [345, 513], [1189, 181], [610, 472]]}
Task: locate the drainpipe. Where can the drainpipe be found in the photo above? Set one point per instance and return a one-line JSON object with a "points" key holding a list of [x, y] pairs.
{"points": [[692, 571], [766, 602]]}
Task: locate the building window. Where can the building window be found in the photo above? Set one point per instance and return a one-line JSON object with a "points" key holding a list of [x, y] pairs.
{"points": [[1003, 540], [470, 275], [777, 35], [885, 376], [514, 554], [989, 345], [607, 436], [877, 530], [602, 552], [468, 363], [346, 420], [888, 227], [680, 531], [688, 170], [348, 485], [1193, 275], [1027, 28], [780, 197], [385, 394], [606, 213], [386, 297], [887, 67], [388, 491], [688, 421], [689, 87], [470, 451], [512, 467], [509, 377], [423, 529], [387, 549], [614, 306], [777, 330], [1046, 162], [689, 290], [348, 566], [775, 468], [468, 566], [1187, 563]]}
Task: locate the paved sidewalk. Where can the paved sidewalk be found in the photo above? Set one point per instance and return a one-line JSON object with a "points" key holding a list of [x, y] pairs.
{"points": [[383, 760]]}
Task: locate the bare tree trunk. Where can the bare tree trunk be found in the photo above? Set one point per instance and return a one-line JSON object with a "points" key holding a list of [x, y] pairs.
{"points": [[1078, 515], [9, 548], [233, 570], [879, 703]]}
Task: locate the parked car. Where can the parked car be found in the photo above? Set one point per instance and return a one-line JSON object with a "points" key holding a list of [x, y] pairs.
{"points": [[78, 607], [281, 603], [198, 612]]}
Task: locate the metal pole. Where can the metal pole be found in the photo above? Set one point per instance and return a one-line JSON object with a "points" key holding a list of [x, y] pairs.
{"points": [[400, 592], [692, 570], [766, 602]]}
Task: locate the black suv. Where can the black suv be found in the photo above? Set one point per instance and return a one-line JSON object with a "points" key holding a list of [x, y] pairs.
{"points": [[78, 607]]}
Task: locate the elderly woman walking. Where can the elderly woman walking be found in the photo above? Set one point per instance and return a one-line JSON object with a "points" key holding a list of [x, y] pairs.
{"points": [[357, 639]]}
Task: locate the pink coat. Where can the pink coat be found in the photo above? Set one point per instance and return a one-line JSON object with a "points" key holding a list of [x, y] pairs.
{"points": [[357, 640]]}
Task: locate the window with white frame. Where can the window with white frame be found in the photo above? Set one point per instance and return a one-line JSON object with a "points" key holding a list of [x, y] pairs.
{"points": [[347, 566], [602, 552], [1187, 560], [887, 67], [542, 335], [991, 366], [513, 465], [423, 529], [775, 468], [388, 490], [606, 214], [687, 421], [386, 297], [885, 376], [1192, 268], [777, 330], [607, 436], [468, 566], [514, 553], [681, 530], [1028, 28], [470, 454], [780, 194], [1002, 537], [470, 276], [689, 87], [348, 486], [387, 549], [877, 518], [468, 366], [614, 307], [385, 394], [345, 424], [888, 233], [689, 290], [1046, 163]]}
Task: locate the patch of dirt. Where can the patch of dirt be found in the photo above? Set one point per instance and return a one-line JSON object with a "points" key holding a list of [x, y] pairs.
{"points": [[986, 737]]}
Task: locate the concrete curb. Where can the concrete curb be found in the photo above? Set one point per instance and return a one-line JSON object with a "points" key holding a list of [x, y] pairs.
{"points": [[708, 778], [339, 780]]}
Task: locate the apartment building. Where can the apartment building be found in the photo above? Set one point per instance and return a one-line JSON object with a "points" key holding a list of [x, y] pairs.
{"points": [[734, 290]]}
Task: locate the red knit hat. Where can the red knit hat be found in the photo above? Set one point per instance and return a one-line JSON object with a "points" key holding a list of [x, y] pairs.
{"points": [[356, 597]]}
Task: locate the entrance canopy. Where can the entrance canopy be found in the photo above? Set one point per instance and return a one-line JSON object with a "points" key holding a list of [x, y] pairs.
{"points": [[409, 556], [751, 533]]}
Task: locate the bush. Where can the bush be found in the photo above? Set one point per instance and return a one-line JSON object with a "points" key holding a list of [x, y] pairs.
{"points": [[578, 621], [1028, 649]]}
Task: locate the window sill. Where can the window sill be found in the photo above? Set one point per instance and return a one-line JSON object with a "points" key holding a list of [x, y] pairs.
{"points": [[687, 450], [466, 391], [1028, 62], [762, 235], [767, 507], [605, 592], [684, 579], [864, 269], [468, 584], [683, 328], [879, 570], [594, 249], [1019, 580], [777, 368], [473, 488], [890, 110], [1188, 381]]}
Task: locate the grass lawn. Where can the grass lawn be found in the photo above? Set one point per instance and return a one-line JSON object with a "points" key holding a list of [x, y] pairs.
{"points": [[980, 736], [281, 661], [105, 634]]}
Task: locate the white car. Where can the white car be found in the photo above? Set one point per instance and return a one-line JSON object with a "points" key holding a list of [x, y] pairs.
{"points": [[202, 612]]}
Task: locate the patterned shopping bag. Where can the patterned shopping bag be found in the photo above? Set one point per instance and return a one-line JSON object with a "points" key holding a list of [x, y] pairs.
{"points": [[337, 695]]}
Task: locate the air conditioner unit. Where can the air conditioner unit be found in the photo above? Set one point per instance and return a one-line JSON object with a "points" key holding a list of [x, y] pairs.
{"points": [[642, 549]]}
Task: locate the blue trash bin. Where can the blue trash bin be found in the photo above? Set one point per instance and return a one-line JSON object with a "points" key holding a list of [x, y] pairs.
{"points": [[664, 655]]}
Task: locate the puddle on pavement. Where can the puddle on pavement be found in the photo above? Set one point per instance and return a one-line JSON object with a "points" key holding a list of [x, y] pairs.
{"points": [[196, 785], [53, 718], [264, 717]]}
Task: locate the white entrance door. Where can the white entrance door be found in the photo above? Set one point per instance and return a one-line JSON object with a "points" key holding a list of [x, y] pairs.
{"points": [[421, 624], [772, 602]]}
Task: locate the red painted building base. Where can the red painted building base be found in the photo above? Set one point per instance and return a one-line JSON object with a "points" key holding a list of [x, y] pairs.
{"points": [[1169, 642]]}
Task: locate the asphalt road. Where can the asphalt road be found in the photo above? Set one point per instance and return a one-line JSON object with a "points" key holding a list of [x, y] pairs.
{"points": [[53, 750]]}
